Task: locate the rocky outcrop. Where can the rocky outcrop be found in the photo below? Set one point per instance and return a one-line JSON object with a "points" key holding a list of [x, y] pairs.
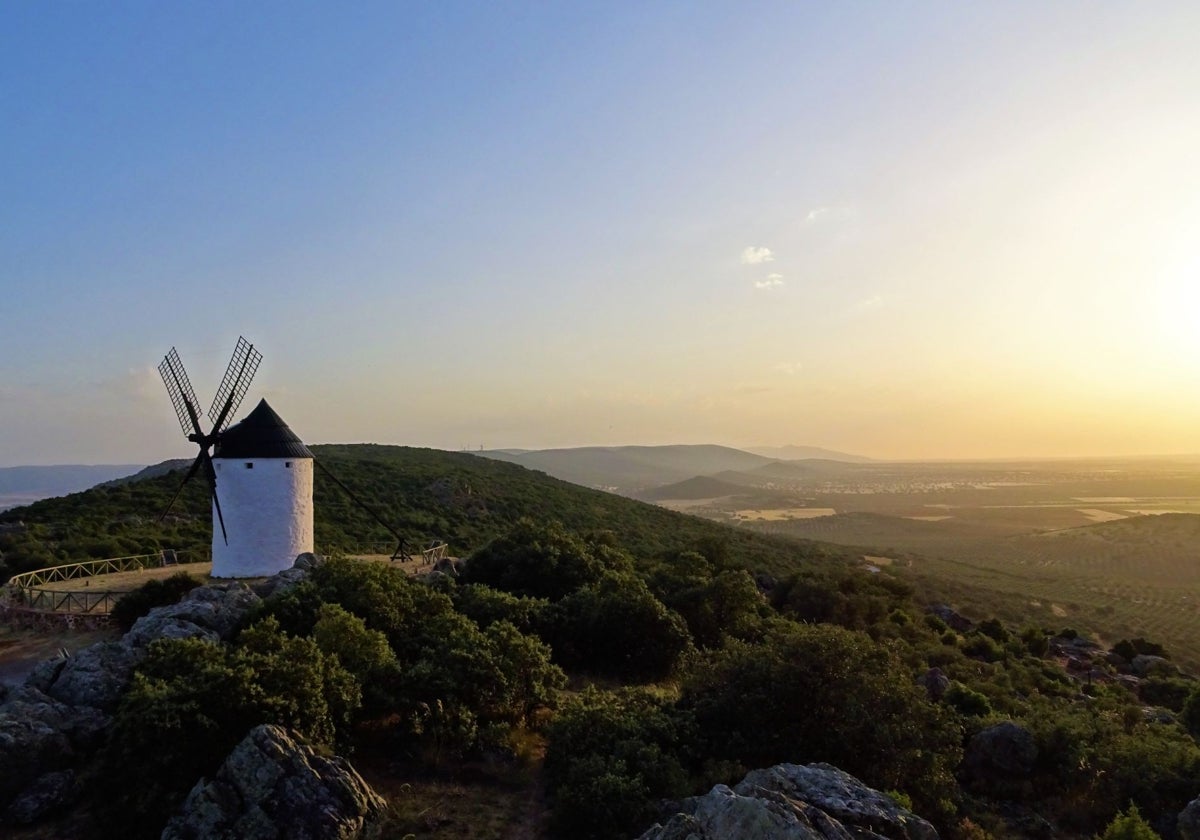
{"points": [[1002, 752], [49, 793], [1188, 823], [212, 612], [273, 787], [1145, 664], [39, 734], [804, 802], [57, 719], [935, 683], [954, 620]]}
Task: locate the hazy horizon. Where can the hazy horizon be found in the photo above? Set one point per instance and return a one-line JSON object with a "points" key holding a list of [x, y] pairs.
{"points": [[925, 232]]}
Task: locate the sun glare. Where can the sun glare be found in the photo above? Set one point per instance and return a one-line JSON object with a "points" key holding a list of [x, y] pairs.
{"points": [[1179, 309]]}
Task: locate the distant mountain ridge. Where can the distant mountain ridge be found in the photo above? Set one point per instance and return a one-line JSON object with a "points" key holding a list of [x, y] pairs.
{"points": [[21, 485], [633, 469], [628, 469], [804, 453]]}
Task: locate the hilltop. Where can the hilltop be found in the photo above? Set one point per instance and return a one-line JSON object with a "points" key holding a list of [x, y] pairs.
{"points": [[22, 485], [425, 494], [633, 470]]}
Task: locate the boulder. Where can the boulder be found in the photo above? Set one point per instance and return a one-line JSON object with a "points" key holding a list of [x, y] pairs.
{"points": [[450, 566], [308, 561], [272, 787], [39, 734], [806, 802], [1188, 823], [207, 611], [1144, 664], [96, 676], [935, 682], [955, 621], [50, 792], [1002, 752], [280, 583]]}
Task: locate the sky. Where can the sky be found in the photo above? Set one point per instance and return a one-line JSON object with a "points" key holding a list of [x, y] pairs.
{"points": [[904, 230]]}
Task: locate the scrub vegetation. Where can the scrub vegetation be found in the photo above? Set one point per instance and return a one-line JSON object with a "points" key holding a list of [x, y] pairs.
{"points": [[598, 656]]}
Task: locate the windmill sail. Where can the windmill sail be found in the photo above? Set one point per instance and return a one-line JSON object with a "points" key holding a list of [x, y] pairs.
{"points": [[238, 374]]}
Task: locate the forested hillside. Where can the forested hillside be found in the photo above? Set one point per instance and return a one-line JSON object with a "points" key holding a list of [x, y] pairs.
{"points": [[424, 494], [596, 657]]}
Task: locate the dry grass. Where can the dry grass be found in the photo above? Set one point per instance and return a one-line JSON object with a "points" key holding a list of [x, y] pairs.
{"points": [[128, 581]]}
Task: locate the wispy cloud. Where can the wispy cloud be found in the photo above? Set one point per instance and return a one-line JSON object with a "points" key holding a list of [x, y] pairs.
{"points": [[815, 214], [873, 302], [789, 368], [757, 255], [773, 281]]}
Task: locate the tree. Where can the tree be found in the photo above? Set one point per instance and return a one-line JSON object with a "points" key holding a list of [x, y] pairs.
{"points": [[543, 561], [610, 755], [822, 693], [191, 701], [1129, 825], [617, 627]]}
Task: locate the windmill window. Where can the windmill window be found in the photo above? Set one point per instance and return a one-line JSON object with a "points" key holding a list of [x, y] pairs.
{"points": [[249, 465], [287, 464]]}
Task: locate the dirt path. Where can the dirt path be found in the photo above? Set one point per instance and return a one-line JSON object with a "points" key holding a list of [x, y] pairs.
{"points": [[21, 650]]}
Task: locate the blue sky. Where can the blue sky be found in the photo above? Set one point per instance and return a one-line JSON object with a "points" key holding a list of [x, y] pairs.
{"points": [[919, 230]]}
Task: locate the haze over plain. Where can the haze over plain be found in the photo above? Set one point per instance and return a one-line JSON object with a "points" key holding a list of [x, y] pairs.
{"points": [[921, 232]]}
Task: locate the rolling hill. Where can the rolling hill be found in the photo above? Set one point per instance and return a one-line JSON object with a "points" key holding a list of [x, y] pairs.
{"points": [[700, 487], [800, 453], [425, 493], [22, 485], [627, 469]]}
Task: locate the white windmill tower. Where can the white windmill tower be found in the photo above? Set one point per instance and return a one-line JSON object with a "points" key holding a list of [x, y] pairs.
{"points": [[265, 472]]}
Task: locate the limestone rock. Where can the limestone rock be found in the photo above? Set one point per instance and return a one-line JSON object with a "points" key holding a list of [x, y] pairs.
{"points": [[207, 611], [95, 676], [40, 734], [1188, 824], [955, 621], [935, 682], [280, 583], [45, 673], [1004, 751], [271, 787], [1144, 664], [49, 793], [308, 561], [804, 802]]}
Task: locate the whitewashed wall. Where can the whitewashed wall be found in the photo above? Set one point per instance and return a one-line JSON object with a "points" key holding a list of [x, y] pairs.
{"points": [[268, 515]]}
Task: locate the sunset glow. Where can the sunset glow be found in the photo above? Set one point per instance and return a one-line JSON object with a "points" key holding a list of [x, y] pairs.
{"points": [[941, 231]]}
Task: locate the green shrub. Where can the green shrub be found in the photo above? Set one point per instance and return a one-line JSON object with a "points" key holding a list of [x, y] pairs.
{"points": [[609, 758], [192, 701], [966, 701], [1129, 825], [618, 628], [993, 629], [983, 647], [1129, 648], [154, 593], [821, 693], [543, 561]]}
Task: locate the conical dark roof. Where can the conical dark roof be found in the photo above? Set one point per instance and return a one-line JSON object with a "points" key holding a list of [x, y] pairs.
{"points": [[261, 434]]}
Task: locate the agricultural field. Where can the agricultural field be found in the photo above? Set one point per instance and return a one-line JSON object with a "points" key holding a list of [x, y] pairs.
{"points": [[1110, 548]]}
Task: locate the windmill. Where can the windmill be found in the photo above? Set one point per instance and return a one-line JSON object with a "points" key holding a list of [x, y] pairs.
{"points": [[238, 374], [266, 473]]}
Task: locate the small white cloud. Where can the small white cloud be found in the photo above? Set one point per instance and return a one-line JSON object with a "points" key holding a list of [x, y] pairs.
{"points": [[815, 214], [757, 256], [790, 368], [873, 302], [773, 281]]}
